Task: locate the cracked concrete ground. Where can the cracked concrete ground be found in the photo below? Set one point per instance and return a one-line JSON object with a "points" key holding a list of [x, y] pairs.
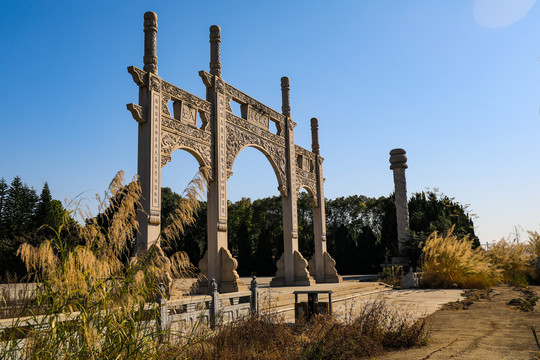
{"points": [[487, 330]]}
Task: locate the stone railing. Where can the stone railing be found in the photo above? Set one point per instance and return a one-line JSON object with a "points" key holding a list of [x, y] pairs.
{"points": [[212, 309]]}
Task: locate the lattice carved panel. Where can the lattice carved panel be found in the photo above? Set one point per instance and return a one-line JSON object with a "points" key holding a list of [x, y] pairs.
{"points": [[264, 112], [305, 162]]}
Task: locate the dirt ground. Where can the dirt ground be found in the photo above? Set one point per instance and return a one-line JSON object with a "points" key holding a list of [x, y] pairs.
{"points": [[488, 329]]}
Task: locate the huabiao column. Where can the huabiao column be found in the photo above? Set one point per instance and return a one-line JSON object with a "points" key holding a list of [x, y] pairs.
{"points": [[398, 164]]}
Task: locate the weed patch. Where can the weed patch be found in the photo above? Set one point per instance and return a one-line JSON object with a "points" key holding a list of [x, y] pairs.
{"points": [[471, 296], [525, 303], [376, 329]]}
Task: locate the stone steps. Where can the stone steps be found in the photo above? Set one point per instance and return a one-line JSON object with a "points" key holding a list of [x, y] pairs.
{"points": [[280, 300], [275, 301]]}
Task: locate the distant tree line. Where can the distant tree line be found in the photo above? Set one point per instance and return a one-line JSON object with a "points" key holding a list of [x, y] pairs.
{"points": [[361, 231]]}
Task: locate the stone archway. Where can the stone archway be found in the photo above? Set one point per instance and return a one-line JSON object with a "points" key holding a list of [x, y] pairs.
{"points": [[215, 144]]}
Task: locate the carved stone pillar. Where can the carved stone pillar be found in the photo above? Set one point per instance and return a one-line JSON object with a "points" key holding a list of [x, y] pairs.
{"points": [[149, 144], [292, 267], [398, 164], [322, 261], [217, 191], [218, 261]]}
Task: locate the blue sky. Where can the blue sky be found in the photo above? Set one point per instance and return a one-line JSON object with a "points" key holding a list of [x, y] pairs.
{"points": [[455, 83]]}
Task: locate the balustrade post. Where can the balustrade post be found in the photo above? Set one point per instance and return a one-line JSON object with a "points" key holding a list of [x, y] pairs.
{"points": [[163, 315], [214, 302], [254, 299]]}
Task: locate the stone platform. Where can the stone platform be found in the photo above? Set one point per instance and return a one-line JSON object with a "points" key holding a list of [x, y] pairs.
{"points": [[348, 296]]}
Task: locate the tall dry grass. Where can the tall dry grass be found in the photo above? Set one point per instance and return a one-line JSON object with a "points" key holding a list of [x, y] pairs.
{"points": [[375, 329], [89, 303], [185, 212], [513, 260], [534, 244], [451, 262]]}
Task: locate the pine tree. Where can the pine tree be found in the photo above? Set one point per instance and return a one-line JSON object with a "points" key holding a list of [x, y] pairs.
{"points": [[3, 196], [18, 208], [43, 209], [14, 215]]}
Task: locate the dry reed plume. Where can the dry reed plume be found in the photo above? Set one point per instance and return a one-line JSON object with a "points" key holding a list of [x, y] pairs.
{"points": [[186, 208], [451, 262], [95, 305], [513, 260], [534, 244]]}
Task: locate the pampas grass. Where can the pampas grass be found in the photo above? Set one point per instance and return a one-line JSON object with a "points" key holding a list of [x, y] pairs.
{"points": [[534, 243], [512, 259], [94, 305], [451, 262], [184, 214]]}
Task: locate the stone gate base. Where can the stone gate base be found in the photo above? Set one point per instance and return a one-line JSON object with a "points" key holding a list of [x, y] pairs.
{"points": [[301, 274], [230, 281], [330, 273]]}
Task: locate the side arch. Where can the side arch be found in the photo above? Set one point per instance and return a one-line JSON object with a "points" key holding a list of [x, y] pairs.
{"points": [[171, 143], [311, 192]]}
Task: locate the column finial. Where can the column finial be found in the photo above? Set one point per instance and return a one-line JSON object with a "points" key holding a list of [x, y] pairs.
{"points": [[285, 98], [398, 159], [150, 42], [315, 136], [215, 51]]}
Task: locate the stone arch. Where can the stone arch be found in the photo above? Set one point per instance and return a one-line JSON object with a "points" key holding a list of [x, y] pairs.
{"points": [[172, 142], [277, 171], [191, 151], [310, 190]]}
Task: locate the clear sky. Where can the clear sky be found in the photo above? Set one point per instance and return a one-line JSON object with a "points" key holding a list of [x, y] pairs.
{"points": [[455, 83]]}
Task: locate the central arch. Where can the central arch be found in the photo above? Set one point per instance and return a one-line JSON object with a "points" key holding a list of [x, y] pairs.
{"points": [[277, 171], [254, 218]]}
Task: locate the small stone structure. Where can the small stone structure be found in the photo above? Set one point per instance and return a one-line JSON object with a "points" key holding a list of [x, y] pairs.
{"points": [[215, 143], [398, 164]]}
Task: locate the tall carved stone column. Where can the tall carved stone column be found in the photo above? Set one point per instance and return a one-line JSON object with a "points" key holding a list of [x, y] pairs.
{"points": [[325, 271], [398, 164], [149, 147], [292, 267], [218, 261]]}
